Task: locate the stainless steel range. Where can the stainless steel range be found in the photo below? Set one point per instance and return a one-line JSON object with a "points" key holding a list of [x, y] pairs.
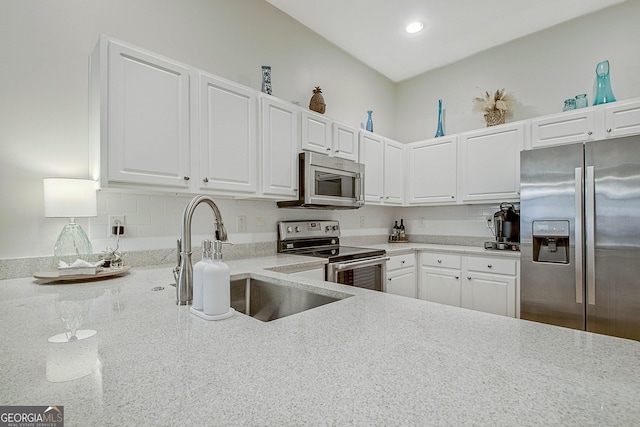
{"points": [[354, 266]]}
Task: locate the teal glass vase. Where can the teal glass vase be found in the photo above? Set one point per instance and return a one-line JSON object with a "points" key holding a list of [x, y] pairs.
{"points": [[604, 93], [439, 132], [369, 121]]}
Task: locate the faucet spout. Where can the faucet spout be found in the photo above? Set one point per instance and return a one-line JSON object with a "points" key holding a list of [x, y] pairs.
{"points": [[184, 276]]}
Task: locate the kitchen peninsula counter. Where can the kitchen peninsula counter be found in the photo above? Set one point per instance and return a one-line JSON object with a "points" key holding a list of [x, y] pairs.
{"points": [[368, 359]]}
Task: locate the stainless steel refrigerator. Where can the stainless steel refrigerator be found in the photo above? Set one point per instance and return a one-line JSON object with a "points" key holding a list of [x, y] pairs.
{"points": [[580, 236]]}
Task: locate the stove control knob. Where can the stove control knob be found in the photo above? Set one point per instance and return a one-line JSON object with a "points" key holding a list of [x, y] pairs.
{"points": [[289, 229], [335, 227], [298, 229], [327, 228]]}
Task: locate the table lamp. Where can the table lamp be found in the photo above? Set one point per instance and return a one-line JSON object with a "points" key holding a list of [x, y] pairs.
{"points": [[70, 198]]}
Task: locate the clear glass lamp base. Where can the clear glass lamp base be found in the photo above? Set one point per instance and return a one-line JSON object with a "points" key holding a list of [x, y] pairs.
{"points": [[72, 244]]}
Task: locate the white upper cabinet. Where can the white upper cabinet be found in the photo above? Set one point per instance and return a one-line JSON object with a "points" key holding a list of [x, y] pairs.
{"points": [[280, 146], [323, 135], [564, 128], [227, 135], [384, 173], [316, 132], [622, 118], [372, 155], [140, 117], [393, 188], [432, 172], [345, 141], [489, 163]]}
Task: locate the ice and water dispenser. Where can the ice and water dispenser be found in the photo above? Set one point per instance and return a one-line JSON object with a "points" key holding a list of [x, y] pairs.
{"points": [[551, 241]]}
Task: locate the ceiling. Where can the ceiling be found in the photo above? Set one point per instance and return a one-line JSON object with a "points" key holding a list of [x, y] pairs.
{"points": [[373, 31]]}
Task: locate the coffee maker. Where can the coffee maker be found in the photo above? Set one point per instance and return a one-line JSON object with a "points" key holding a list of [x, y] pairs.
{"points": [[506, 228]]}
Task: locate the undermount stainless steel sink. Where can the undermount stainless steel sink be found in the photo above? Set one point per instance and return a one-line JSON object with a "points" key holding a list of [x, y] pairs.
{"points": [[269, 301]]}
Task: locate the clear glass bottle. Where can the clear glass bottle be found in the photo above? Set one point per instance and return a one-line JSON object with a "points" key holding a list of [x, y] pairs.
{"points": [[582, 101], [604, 93]]}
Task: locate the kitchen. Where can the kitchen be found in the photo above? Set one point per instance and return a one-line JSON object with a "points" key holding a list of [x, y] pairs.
{"points": [[45, 117]]}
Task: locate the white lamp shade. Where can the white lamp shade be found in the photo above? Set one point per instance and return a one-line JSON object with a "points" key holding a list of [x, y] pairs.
{"points": [[69, 198]]}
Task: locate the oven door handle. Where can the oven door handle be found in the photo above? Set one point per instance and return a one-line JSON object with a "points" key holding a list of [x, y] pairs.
{"points": [[356, 264]]}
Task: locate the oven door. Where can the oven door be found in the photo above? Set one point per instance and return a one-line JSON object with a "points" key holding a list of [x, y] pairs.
{"points": [[368, 273]]}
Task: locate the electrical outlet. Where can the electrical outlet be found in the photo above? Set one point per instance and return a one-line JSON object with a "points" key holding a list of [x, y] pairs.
{"points": [[422, 222], [362, 222], [259, 221], [241, 221], [116, 221], [489, 221]]}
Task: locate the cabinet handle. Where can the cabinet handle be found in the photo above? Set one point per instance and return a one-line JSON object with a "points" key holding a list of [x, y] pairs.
{"points": [[609, 130], [205, 179], [589, 133], [186, 178]]}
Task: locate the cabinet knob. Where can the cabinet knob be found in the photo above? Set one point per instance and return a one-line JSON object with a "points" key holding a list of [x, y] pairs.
{"points": [[205, 179], [186, 178], [468, 277], [589, 133], [489, 266], [389, 279], [453, 197], [402, 262], [328, 149], [457, 277], [609, 130], [439, 261]]}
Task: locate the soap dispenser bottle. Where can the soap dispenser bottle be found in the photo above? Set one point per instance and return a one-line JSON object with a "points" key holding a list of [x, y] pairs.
{"points": [[198, 273], [216, 293]]}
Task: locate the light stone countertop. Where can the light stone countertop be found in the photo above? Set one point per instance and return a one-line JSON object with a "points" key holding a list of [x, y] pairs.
{"points": [[369, 359], [404, 248]]}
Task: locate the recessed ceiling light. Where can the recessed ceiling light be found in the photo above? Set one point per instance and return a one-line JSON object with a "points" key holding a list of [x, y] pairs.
{"points": [[414, 27]]}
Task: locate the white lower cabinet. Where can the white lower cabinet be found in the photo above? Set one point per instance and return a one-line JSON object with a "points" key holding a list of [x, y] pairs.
{"points": [[486, 284], [401, 275]]}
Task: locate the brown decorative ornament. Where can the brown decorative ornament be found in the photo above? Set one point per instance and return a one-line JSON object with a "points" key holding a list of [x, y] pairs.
{"points": [[317, 101]]}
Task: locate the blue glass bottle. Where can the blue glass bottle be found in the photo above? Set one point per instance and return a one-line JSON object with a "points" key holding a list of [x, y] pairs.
{"points": [[439, 132], [604, 93], [369, 121]]}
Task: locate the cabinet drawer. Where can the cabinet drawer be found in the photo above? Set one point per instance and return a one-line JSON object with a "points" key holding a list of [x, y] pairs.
{"points": [[401, 261], [492, 265], [440, 260]]}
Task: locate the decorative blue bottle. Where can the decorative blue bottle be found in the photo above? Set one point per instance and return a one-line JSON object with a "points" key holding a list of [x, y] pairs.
{"points": [[369, 121], [604, 93], [439, 132]]}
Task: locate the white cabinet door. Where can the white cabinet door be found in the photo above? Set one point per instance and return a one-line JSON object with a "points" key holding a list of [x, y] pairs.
{"points": [[228, 143], [144, 122], [345, 141], [622, 118], [402, 282], [490, 293], [564, 128], [280, 146], [432, 173], [440, 285], [490, 163], [316, 132], [393, 187], [372, 155]]}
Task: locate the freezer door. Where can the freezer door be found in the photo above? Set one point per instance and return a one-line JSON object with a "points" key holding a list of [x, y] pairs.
{"points": [[552, 286], [613, 242]]}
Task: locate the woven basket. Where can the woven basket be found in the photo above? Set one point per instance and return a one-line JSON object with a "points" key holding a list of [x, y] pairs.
{"points": [[495, 117]]}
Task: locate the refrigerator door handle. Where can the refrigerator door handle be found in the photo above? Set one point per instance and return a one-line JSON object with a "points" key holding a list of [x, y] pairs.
{"points": [[590, 195], [578, 234]]}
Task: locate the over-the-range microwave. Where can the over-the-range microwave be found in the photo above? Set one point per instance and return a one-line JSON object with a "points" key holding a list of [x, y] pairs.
{"points": [[327, 183]]}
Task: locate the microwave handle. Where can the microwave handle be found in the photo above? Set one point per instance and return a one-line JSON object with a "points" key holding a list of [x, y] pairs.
{"points": [[360, 185]]}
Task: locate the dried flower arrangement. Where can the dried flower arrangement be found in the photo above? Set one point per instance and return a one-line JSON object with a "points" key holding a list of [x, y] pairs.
{"points": [[495, 106]]}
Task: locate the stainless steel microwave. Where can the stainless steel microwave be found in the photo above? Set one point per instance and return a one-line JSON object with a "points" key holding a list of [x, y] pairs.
{"points": [[327, 183]]}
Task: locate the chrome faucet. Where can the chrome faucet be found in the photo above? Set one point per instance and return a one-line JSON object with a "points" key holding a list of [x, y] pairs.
{"points": [[183, 272]]}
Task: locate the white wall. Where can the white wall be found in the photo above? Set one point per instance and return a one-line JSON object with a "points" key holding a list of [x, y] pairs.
{"points": [[44, 51], [542, 70]]}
